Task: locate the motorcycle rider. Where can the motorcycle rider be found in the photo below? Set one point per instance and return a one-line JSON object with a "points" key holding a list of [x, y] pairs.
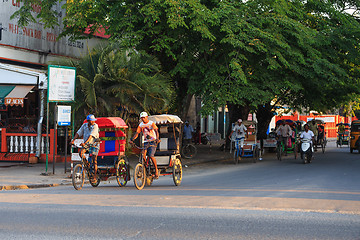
{"points": [[308, 134]]}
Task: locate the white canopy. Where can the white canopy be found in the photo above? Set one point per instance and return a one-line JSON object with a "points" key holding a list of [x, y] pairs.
{"points": [[164, 119]]}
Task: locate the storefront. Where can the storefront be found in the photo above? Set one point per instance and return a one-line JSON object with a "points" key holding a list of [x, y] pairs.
{"points": [[22, 101]]}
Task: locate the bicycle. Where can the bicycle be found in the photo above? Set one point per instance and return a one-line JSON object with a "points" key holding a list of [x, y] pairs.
{"points": [[188, 150], [144, 172], [87, 166], [237, 151]]}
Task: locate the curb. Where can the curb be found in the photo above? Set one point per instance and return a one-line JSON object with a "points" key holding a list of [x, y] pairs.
{"points": [[30, 186]]}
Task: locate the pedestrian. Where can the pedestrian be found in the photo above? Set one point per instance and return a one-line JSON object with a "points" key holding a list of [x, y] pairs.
{"points": [[188, 133]]}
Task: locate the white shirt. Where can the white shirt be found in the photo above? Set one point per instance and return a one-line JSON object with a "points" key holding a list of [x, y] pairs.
{"points": [[239, 131], [284, 131], [307, 135]]}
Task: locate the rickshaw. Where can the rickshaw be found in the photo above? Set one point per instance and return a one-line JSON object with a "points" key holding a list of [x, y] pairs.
{"points": [[292, 146], [354, 136], [321, 140], [250, 148], [343, 134], [111, 160], [167, 154]]}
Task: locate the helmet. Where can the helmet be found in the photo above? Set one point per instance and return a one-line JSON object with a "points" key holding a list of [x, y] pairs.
{"points": [[143, 114], [90, 117]]}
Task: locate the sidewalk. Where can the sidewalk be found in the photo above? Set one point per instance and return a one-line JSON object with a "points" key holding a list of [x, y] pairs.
{"points": [[25, 176]]}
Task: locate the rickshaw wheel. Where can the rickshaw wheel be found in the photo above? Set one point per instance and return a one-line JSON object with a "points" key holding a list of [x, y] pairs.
{"points": [[78, 177], [236, 156], [177, 172], [139, 176], [279, 152], [256, 154], [121, 173], [96, 182], [189, 151]]}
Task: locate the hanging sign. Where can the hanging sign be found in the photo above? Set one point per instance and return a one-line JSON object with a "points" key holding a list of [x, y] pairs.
{"points": [[63, 115], [61, 84]]}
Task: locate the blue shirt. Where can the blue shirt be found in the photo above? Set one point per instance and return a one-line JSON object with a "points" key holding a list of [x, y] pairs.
{"points": [[188, 130]]}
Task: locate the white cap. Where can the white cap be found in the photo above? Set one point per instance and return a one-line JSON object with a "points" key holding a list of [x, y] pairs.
{"points": [[143, 114], [239, 120]]}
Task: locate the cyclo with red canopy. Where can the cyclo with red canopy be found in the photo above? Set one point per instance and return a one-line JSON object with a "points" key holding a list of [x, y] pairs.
{"points": [[111, 160]]}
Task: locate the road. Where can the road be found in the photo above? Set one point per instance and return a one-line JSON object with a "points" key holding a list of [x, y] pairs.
{"points": [[266, 200]]}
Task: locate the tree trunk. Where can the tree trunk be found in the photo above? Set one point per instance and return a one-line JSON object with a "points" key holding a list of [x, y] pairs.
{"points": [[264, 114]]}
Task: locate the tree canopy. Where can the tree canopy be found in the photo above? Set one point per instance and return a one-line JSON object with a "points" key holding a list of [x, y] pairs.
{"points": [[255, 53]]}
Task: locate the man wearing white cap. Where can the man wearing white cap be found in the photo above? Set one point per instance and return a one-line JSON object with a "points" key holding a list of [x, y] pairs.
{"points": [[89, 131], [240, 131], [151, 138]]}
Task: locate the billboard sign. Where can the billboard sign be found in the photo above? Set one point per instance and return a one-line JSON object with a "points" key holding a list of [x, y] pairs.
{"points": [[61, 83]]}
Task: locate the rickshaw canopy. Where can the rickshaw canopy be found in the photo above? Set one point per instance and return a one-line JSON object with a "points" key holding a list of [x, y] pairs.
{"points": [[249, 123], [287, 121], [164, 119], [110, 122], [345, 124]]}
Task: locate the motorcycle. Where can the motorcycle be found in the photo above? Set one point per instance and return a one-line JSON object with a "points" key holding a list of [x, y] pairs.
{"points": [[306, 150]]}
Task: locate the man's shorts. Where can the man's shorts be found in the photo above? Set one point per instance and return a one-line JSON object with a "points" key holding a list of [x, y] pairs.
{"points": [[241, 141], [150, 148], [94, 150]]}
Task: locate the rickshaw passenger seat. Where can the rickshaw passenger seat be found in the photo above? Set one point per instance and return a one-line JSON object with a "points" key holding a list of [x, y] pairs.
{"points": [[167, 146]]}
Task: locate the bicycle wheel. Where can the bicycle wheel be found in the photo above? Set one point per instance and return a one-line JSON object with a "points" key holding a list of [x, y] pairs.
{"points": [[256, 154], [121, 173], [177, 172], [139, 176], [94, 182], [189, 151], [78, 177], [236, 156], [279, 152]]}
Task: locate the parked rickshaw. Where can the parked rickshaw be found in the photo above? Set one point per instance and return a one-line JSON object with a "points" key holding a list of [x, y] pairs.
{"points": [[292, 144], [167, 155], [343, 134], [354, 136], [111, 160], [250, 148], [321, 140]]}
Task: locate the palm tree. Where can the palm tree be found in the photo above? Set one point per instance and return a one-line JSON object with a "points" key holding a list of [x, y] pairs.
{"points": [[119, 82]]}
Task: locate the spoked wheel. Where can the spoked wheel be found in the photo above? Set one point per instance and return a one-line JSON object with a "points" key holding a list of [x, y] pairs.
{"points": [[189, 151], [177, 172], [279, 152], [121, 173], [236, 156], [256, 154], [94, 182], [139, 176], [78, 177]]}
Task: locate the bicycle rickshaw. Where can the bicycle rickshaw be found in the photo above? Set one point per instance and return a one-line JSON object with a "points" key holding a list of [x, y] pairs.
{"points": [[250, 148], [321, 140], [292, 144], [111, 160], [355, 136], [167, 154], [343, 135]]}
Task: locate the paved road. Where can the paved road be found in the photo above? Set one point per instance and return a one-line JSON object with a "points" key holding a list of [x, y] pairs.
{"points": [[267, 200]]}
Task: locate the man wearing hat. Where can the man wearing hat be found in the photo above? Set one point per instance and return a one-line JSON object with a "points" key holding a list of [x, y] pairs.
{"points": [[89, 131], [151, 138], [239, 130]]}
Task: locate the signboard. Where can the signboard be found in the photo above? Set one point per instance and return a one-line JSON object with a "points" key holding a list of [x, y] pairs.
{"points": [[35, 36], [63, 115], [325, 119], [61, 84]]}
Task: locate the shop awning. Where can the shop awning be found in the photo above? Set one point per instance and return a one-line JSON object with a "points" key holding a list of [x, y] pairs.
{"points": [[17, 95], [4, 91]]}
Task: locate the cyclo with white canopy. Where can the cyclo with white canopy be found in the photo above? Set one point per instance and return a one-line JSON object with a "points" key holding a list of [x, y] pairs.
{"points": [[167, 154]]}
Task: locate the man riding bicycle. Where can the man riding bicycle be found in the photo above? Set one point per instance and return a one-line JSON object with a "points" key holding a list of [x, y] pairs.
{"points": [[89, 131], [151, 138], [284, 132], [240, 131]]}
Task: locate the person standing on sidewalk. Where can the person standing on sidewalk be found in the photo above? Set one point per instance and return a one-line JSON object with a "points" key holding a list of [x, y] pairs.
{"points": [[89, 131], [188, 133]]}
